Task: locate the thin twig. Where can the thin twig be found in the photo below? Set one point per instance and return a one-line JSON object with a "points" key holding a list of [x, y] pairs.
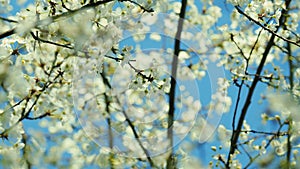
{"points": [[39, 117], [274, 136], [142, 7], [49, 42], [265, 133]]}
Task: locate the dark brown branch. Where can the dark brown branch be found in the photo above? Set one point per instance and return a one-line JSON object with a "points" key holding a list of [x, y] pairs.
{"points": [[114, 58], [255, 43], [291, 79], [71, 13], [241, 51], [75, 11], [289, 144], [236, 133], [274, 136], [26, 151], [265, 28], [247, 153], [25, 113], [91, 5], [139, 72], [142, 7], [7, 33], [131, 125], [170, 160], [281, 49], [110, 132], [38, 117], [8, 20], [64, 6], [53, 18], [117, 59], [265, 133], [49, 42], [16, 104], [291, 66], [240, 86]]}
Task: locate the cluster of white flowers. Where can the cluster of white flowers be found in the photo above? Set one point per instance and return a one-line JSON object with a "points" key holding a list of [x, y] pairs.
{"points": [[286, 105], [238, 2], [221, 102]]}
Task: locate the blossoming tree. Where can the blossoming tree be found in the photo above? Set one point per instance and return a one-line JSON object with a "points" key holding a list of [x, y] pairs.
{"points": [[150, 84]]}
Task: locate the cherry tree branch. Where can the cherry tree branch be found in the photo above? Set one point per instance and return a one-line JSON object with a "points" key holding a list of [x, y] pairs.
{"points": [[240, 86], [39, 117], [265, 28], [8, 20], [110, 132], [291, 79], [130, 123], [278, 133], [142, 7], [35, 37], [56, 17], [26, 151], [170, 161], [35, 96], [70, 13], [237, 131], [7, 33], [274, 136]]}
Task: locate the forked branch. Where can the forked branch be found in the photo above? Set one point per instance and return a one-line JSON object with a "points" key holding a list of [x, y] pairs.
{"points": [[237, 131]]}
